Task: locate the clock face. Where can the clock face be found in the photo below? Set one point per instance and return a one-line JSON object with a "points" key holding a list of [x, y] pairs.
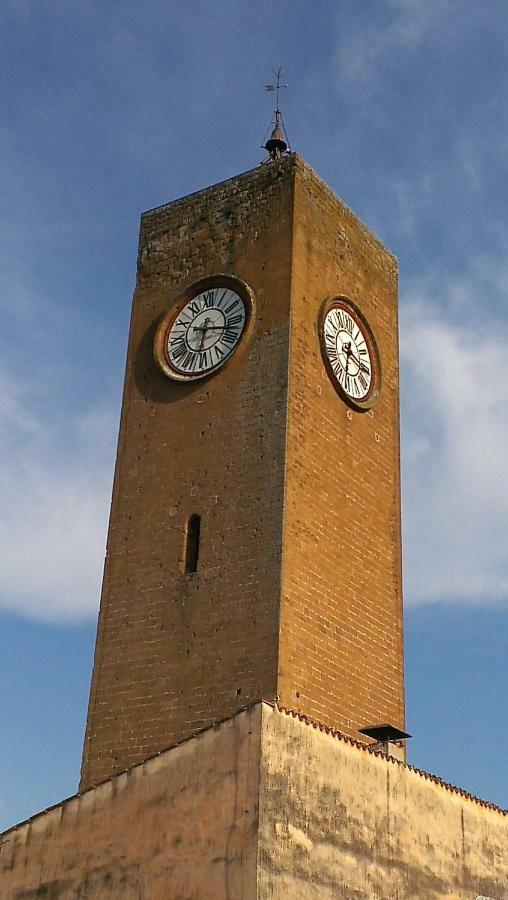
{"points": [[202, 333], [350, 353]]}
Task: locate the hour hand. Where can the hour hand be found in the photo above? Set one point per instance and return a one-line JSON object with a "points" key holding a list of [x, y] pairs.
{"points": [[350, 355], [206, 327]]}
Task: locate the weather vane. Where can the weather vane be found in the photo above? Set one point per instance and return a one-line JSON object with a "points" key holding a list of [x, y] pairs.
{"points": [[278, 142]]}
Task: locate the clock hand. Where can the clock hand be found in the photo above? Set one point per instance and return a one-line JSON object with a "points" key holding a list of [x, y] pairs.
{"points": [[203, 329], [361, 366], [347, 348], [350, 355], [208, 327]]}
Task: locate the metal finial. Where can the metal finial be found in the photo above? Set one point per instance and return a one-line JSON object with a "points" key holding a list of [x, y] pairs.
{"points": [[278, 142]]}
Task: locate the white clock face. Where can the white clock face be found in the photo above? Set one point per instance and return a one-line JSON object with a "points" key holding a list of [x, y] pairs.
{"points": [[203, 333], [348, 349]]}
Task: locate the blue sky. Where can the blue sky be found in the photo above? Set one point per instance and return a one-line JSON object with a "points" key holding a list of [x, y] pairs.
{"points": [[111, 108]]}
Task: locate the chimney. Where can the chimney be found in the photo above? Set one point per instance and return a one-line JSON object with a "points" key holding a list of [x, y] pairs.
{"points": [[388, 740]]}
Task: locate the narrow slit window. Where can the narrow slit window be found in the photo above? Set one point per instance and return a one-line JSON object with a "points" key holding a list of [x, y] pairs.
{"points": [[192, 544]]}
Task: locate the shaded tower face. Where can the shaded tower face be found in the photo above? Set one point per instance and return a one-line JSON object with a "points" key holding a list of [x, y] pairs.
{"points": [[254, 541]]}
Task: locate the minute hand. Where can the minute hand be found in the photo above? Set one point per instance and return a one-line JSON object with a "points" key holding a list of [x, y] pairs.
{"points": [[209, 327], [358, 362]]}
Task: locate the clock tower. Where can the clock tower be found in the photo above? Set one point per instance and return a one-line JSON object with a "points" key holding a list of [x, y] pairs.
{"points": [[254, 547]]}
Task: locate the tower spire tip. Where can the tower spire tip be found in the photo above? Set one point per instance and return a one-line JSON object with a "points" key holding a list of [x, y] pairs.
{"points": [[278, 143]]}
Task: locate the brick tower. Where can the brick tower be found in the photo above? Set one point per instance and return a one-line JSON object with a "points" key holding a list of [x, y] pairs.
{"points": [[254, 543], [249, 645]]}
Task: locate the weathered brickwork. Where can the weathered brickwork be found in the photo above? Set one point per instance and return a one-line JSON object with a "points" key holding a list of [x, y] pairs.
{"points": [[341, 622], [297, 593], [177, 652]]}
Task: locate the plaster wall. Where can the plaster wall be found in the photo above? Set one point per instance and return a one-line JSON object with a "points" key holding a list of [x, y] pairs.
{"points": [[337, 820], [182, 826], [263, 806]]}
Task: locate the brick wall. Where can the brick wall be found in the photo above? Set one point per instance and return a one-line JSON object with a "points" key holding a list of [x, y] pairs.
{"points": [[280, 471], [341, 654], [178, 652]]}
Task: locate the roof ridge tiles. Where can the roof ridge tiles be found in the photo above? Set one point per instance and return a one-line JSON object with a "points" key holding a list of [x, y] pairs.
{"points": [[333, 732]]}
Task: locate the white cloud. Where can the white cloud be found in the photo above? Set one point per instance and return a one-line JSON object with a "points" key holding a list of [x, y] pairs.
{"points": [[400, 25], [454, 450], [54, 508], [56, 472]]}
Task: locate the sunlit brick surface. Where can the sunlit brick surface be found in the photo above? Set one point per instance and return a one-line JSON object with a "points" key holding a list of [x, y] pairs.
{"points": [[297, 593]]}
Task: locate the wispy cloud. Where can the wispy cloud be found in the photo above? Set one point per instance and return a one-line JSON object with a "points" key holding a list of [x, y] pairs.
{"points": [[454, 448], [421, 145], [392, 27], [53, 513], [421, 91]]}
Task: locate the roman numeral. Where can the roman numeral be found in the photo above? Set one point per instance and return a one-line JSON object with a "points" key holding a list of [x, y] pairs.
{"points": [[219, 302], [177, 339], [229, 337], [232, 306], [219, 352], [179, 352], [363, 381], [342, 319], [209, 298], [189, 361], [203, 359], [193, 307], [234, 320]]}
